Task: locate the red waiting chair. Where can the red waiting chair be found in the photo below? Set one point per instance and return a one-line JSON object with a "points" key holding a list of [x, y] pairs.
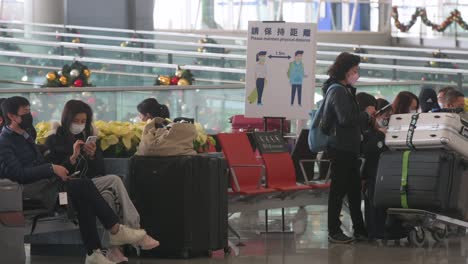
{"points": [[281, 173], [246, 172]]}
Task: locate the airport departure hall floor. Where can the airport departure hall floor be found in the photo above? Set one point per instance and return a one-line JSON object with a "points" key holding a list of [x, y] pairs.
{"points": [[308, 244]]}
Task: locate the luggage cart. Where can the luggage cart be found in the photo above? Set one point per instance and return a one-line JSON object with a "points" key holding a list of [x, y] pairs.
{"points": [[422, 222]]}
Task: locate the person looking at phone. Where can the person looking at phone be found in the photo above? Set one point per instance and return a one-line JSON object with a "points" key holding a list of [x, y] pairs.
{"points": [[21, 162], [74, 145]]}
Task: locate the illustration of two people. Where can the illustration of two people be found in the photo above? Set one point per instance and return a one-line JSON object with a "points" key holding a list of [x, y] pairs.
{"points": [[295, 75]]}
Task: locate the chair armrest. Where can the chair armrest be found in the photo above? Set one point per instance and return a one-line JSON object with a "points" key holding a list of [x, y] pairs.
{"points": [[304, 173], [361, 168], [262, 176], [11, 196]]}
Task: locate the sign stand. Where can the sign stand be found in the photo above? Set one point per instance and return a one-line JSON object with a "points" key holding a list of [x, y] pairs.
{"points": [[265, 123], [265, 128]]}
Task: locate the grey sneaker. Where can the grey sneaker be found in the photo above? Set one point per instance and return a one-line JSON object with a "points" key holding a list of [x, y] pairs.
{"points": [[340, 238]]}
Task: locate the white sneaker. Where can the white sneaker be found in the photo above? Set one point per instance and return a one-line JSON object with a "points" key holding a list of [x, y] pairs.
{"points": [[97, 258], [127, 236], [115, 254], [148, 243]]}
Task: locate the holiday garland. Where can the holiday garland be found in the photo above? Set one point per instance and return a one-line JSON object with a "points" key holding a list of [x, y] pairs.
{"points": [[455, 16]]}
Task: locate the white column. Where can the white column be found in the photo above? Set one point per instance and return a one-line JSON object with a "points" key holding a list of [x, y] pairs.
{"points": [[44, 11]]}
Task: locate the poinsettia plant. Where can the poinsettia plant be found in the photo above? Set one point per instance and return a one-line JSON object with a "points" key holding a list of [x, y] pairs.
{"points": [[121, 139], [203, 141]]}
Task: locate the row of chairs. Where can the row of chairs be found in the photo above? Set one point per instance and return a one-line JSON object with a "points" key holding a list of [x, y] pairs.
{"points": [[275, 172]]}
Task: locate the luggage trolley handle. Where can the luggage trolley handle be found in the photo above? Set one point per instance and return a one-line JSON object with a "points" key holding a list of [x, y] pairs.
{"points": [[464, 131]]}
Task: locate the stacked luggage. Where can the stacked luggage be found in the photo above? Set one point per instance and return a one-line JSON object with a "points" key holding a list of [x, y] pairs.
{"points": [[182, 202], [429, 131], [426, 179], [423, 174], [425, 169], [11, 223]]}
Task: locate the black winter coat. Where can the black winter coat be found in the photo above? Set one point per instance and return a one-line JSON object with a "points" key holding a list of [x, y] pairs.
{"points": [[61, 148], [342, 115]]}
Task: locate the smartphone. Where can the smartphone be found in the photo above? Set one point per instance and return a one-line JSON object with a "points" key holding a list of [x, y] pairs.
{"points": [[76, 173], [91, 139], [383, 109]]}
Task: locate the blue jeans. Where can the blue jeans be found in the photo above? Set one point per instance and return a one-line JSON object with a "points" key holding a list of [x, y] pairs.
{"points": [[296, 88], [260, 85]]}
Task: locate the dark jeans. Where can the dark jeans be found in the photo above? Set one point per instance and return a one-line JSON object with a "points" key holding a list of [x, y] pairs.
{"points": [[296, 88], [89, 204], [346, 181], [260, 85]]}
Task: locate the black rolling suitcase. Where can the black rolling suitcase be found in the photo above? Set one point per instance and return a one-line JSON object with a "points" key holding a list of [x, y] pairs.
{"points": [[183, 203], [430, 180]]}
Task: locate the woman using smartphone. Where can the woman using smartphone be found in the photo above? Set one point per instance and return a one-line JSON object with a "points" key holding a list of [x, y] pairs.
{"points": [[74, 146]]}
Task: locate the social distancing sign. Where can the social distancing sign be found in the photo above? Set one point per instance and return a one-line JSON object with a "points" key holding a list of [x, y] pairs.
{"points": [[280, 75]]}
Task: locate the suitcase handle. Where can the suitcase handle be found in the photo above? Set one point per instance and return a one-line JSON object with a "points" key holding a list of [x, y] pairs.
{"points": [[464, 131]]}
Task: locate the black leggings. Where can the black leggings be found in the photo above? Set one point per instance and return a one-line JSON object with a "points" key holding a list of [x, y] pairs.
{"points": [[89, 204], [346, 181]]}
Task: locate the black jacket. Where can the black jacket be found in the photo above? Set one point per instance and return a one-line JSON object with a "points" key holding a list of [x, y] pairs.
{"points": [[60, 146], [372, 146], [342, 115], [20, 159]]}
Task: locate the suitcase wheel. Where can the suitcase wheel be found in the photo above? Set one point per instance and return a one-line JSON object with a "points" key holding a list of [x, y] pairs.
{"points": [[439, 235], [417, 237], [227, 251], [185, 254]]}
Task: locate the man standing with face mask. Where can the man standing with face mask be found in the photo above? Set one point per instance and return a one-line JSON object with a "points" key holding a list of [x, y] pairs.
{"points": [[296, 75]]}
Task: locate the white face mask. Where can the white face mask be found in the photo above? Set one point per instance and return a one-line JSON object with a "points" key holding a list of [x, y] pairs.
{"points": [[76, 129], [353, 79]]}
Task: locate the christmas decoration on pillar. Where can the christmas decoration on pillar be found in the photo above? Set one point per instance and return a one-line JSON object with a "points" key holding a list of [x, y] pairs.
{"points": [[181, 77], [209, 49], [75, 75], [440, 64]]}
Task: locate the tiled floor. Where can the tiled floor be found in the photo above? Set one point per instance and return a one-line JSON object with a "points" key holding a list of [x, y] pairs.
{"points": [[307, 244]]}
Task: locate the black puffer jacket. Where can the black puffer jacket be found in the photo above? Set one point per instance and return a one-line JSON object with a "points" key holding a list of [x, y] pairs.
{"points": [[60, 146], [342, 115]]}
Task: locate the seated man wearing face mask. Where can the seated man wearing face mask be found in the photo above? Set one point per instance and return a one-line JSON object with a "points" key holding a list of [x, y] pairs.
{"points": [[454, 99], [21, 162]]}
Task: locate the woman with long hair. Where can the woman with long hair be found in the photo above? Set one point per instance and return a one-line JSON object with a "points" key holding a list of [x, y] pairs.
{"points": [[405, 102], [151, 108], [69, 146]]}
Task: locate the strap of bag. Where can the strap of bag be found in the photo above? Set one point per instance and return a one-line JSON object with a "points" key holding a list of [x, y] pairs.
{"points": [[404, 180], [321, 109], [410, 134]]}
